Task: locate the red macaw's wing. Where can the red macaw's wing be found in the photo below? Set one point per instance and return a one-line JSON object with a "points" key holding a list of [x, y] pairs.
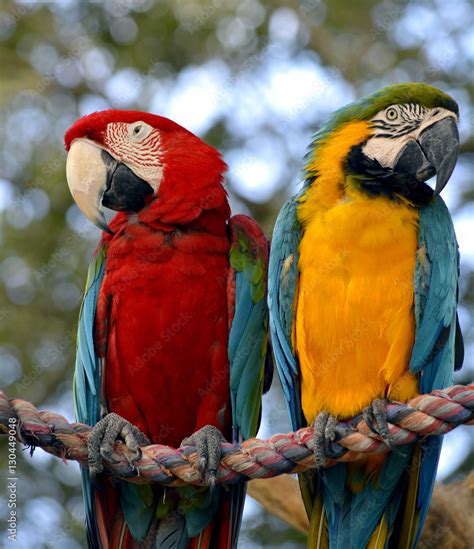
{"points": [[248, 328], [248, 322]]}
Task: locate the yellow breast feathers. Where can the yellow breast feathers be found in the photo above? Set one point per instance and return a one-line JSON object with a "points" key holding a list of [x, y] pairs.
{"points": [[355, 326]]}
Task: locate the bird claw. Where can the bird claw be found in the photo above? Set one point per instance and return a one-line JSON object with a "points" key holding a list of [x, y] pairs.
{"points": [[375, 415], [324, 433], [107, 431], [207, 441]]}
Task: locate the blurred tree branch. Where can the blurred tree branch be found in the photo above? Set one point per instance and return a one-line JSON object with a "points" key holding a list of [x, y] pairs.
{"points": [[449, 523]]}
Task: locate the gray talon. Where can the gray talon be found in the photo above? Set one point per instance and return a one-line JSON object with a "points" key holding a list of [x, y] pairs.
{"points": [[104, 435], [208, 441], [324, 432], [330, 431], [375, 416]]}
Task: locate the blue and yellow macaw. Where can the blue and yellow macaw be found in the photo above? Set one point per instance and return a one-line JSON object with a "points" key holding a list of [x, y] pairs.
{"points": [[362, 292]]}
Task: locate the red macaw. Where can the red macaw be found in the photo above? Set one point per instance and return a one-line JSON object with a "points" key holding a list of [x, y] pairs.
{"points": [[173, 326]]}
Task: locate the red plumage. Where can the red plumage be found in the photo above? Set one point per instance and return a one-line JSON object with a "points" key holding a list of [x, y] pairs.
{"points": [[162, 315], [163, 297], [163, 300]]}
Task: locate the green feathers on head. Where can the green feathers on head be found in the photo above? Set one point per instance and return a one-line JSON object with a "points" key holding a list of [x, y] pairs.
{"points": [[410, 92]]}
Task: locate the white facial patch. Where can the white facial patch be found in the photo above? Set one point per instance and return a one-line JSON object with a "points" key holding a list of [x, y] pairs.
{"points": [[151, 174], [384, 150], [395, 126], [137, 145]]}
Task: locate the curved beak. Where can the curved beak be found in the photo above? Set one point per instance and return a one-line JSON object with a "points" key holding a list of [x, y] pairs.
{"points": [[96, 180], [440, 144], [86, 176], [435, 151]]}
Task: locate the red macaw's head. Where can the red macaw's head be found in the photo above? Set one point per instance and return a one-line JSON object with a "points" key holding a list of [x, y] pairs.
{"points": [[132, 161]]}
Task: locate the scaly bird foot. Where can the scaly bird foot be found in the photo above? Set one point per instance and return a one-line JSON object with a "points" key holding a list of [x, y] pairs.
{"points": [[375, 416], [208, 441], [106, 432], [324, 433]]}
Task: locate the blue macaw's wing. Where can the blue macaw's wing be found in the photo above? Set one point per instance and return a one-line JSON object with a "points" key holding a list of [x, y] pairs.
{"points": [[282, 288], [248, 319], [87, 376], [438, 342], [436, 282], [248, 322]]}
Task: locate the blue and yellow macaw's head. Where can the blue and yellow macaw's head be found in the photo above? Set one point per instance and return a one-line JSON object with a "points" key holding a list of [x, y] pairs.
{"points": [[389, 143]]}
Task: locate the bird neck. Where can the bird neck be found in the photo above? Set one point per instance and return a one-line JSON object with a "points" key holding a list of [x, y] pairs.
{"points": [[326, 182], [207, 221]]}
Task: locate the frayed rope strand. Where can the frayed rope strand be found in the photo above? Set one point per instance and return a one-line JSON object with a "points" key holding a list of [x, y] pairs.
{"points": [[436, 413]]}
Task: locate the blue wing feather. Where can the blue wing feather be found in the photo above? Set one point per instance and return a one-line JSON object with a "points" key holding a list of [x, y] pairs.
{"points": [[247, 339], [436, 280], [248, 332], [87, 371], [87, 376], [433, 356], [282, 287]]}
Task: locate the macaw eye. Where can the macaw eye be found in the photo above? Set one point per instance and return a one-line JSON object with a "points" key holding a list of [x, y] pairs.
{"points": [[137, 131], [391, 114]]}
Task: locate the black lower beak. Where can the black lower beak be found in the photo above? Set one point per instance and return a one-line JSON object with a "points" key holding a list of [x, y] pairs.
{"points": [[125, 191], [434, 152]]}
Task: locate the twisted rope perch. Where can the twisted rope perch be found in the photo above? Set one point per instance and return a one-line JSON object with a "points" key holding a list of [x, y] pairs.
{"points": [[432, 414]]}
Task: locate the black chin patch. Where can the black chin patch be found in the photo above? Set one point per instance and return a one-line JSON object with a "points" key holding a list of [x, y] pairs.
{"points": [[126, 192], [376, 180]]}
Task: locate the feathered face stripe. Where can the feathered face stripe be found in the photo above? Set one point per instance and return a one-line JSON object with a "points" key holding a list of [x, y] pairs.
{"points": [[398, 120], [393, 127], [138, 146]]}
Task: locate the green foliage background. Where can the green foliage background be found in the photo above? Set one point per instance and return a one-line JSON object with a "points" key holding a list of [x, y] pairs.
{"points": [[60, 58]]}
